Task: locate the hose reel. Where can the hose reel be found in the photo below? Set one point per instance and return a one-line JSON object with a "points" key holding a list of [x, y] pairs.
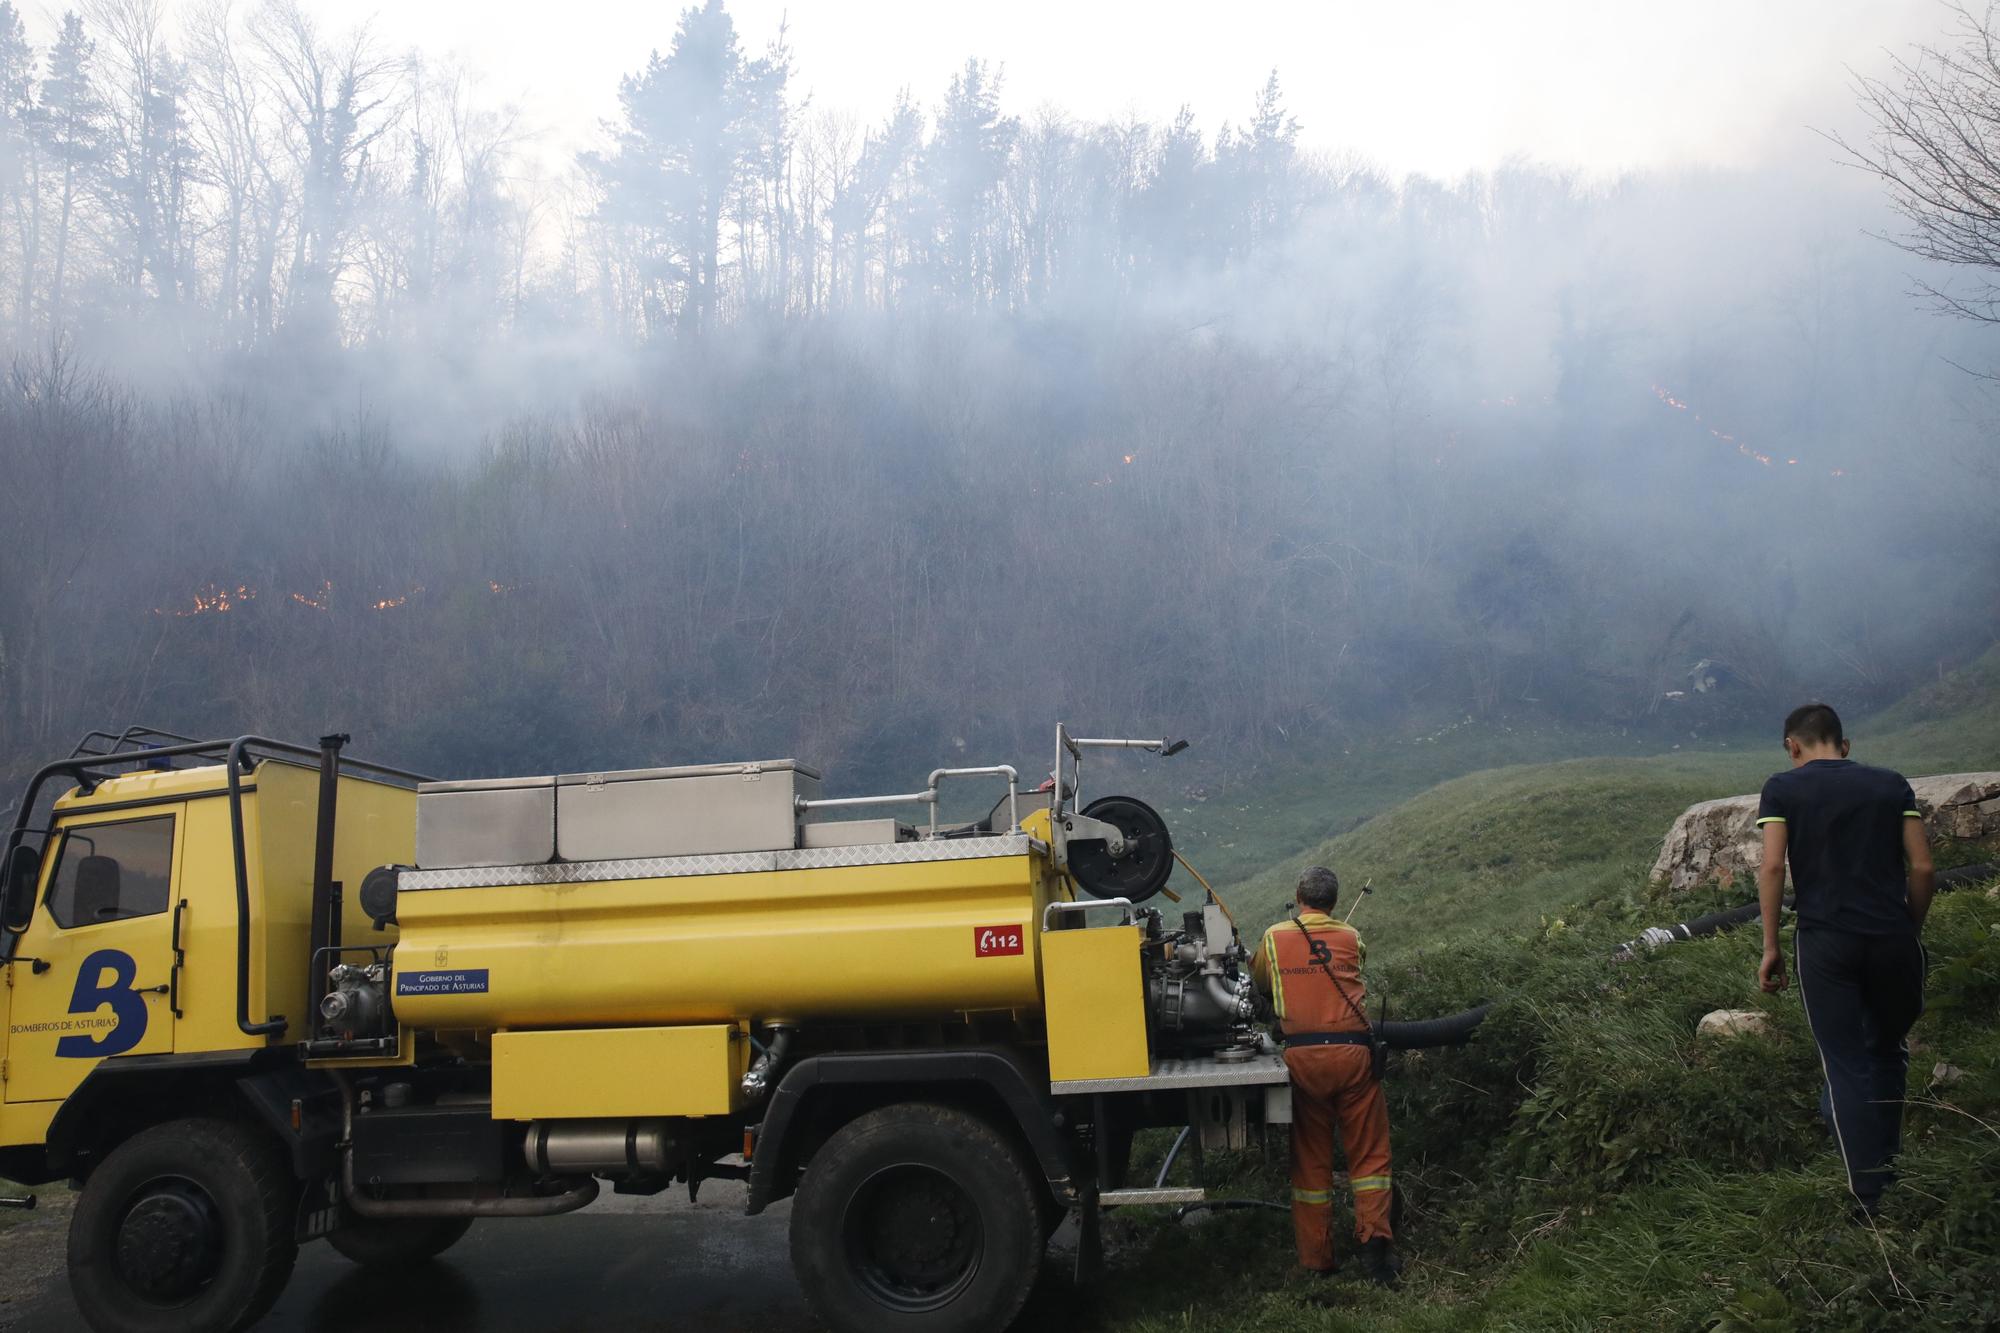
{"points": [[1141, 870]]}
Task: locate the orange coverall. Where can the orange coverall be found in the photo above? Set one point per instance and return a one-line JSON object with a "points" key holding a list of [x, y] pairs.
{"points": [[1330, 1083]]}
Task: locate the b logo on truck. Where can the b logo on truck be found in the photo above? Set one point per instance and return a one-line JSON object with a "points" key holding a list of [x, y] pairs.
{"points": [[994, 941], [128, 1007]]}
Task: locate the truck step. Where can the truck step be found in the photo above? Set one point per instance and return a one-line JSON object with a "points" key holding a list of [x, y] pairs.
{"points": [[1120, 1198]]}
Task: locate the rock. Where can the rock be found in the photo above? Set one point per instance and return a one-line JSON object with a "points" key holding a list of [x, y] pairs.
{"points": [[1734, 1023], [1718, 840], [1715, 840], [1944, 1073]]}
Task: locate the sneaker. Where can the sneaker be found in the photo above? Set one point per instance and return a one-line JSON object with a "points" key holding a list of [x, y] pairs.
{"points": [[1379, 1262]]}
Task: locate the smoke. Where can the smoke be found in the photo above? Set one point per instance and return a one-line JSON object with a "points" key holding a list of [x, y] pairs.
{"points": [[789, 436]]}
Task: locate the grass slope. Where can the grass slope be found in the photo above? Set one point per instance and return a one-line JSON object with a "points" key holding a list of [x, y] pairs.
{"points": [[1586, 1163], [1500, 849]]}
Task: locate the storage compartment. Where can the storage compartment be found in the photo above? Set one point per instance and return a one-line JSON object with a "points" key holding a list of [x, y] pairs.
{"points": [[429, 1145], [490, 822], [693, 811], [590, 1074]]}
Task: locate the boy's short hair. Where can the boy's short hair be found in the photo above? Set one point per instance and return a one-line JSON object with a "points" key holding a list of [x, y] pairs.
{"points": [[1319, 889], [1814, 724]]}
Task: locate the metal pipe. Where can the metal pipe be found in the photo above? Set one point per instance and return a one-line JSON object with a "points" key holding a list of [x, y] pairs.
{"points": [[325, 912], [990, 771], [233, 769], [757, 1079], [1233, 1001], [842, 802], [536, 1205]]}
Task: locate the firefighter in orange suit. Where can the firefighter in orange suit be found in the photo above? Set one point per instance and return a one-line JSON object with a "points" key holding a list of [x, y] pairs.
{"points": [[1310, 966]]}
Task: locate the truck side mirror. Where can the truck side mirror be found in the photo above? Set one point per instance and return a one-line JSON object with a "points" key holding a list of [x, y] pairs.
{"points": [[18, 874]]}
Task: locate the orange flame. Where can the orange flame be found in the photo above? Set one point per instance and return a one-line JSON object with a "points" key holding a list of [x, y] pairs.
{"points": [[1726, 438]]}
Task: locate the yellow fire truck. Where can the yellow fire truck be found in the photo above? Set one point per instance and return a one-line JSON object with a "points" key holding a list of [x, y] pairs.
{"points": [[259, 993]]}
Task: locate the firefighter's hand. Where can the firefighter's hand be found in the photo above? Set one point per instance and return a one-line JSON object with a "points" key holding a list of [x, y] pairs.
{"points": [[1771, 972]]}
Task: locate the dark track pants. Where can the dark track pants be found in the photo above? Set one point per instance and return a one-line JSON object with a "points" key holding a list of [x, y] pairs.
{"points": [[1862, 993]]}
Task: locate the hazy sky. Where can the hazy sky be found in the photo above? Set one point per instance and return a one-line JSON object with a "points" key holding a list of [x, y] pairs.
{"points": [[1440, 86]]}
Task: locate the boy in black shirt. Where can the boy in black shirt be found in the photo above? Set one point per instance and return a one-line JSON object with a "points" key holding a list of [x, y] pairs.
{"points": [[1848, 830]]}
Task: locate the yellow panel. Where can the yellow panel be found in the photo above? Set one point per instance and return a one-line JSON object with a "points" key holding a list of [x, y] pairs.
{"points": [[375, 824], [906, 940], [26, 1122], [1096, 1003], [587, 1073]]}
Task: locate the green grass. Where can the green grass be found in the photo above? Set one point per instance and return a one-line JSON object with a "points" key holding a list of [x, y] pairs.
{"points": [[1503, 849], [1586, 1163]]}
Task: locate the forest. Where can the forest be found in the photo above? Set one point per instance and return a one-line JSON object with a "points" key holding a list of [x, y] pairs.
{"points": [[755, 430]]}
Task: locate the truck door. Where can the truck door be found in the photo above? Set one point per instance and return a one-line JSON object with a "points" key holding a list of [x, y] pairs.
{"points": [[104, 929]]}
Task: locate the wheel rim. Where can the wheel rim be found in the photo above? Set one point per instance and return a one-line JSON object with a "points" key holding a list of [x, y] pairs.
{"points": [[169, 1243], [914, 1237]]}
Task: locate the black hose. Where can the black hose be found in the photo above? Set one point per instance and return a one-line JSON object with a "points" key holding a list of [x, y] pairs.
{"points": [[1205, 1204], [1959, 876], [1450, 1030]]}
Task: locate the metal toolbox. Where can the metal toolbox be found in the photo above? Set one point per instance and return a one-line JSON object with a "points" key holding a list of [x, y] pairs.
{"points": [[693, 811], [488, 822]]}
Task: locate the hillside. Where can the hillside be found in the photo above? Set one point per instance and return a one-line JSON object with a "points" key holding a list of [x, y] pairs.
{"points": [[1501, 849], [1587, 1163]]}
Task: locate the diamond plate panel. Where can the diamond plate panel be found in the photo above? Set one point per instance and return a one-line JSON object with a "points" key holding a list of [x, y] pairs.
{"points": [[727, 863]]}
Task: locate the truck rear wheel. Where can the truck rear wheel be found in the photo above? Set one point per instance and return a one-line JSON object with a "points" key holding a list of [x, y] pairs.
{"points": [[187, 1225], [917, 1219], [397, 1242]]}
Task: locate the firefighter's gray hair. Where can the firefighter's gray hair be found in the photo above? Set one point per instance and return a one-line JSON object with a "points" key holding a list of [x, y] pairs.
{"points": [[1319, 889]]}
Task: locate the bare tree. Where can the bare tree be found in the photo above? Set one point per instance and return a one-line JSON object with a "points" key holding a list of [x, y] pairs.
{"points": [[230, 128], [20, 162], [1936, 143], [336, 101]]}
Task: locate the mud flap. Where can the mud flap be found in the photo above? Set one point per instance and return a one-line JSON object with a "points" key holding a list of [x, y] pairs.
{"points": [[1089, 1236]]}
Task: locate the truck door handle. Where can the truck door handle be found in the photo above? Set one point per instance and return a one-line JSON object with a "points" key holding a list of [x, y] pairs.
{"points": [[180, 956], [160, 989]]}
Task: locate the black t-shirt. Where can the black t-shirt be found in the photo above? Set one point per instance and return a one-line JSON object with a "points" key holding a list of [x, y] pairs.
{"points": [[1844, 836]]}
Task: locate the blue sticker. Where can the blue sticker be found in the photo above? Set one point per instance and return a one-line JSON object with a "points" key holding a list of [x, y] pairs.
{"points": [[465, 981]]}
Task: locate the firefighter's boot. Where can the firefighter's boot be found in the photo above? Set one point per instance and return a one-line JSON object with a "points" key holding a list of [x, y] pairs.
{"points": [[1379, 1262]]}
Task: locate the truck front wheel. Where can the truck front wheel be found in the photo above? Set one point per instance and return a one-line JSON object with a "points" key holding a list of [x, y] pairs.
{"points": [[187, 1225], [917, 1219]]}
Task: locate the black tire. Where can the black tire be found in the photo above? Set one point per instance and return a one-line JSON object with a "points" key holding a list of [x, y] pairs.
{"points": [[185, 1227], [397, 1242], [917, 1219]]}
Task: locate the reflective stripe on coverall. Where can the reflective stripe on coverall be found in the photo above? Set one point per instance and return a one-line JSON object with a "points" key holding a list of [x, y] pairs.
{"points": [[1332, 1086]]}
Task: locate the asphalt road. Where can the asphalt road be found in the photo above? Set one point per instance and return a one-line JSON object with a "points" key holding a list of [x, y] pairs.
{"points": [[620, 1264]]}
